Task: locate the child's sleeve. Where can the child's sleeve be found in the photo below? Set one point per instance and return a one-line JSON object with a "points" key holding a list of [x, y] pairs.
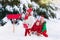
{"points": [[44, 27]]}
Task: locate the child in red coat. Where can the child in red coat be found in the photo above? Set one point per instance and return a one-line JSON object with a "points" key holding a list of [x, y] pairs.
{"points": [[27, 30], [44, 29], [37, 27]]}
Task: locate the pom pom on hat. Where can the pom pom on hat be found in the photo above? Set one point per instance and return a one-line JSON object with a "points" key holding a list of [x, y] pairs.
{"points": [[26, 17]]}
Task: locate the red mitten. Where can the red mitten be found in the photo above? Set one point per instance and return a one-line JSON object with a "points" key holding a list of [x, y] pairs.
{"points": [[25, 26], [44, 34]]}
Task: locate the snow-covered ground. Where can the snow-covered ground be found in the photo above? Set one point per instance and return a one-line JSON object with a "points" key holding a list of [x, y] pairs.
{"points": [[6, 33], [53, 29]]}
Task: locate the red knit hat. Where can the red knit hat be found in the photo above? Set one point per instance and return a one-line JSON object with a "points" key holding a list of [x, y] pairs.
{"points": [[25, 25], [29, 10]]}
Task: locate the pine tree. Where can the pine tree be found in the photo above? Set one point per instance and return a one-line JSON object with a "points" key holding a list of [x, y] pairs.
{"points": [[45, 8], [3, 11]]}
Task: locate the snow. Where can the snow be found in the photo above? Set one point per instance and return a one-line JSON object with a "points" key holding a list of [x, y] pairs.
{"points": [[31, 21], [6, 32], [16, 8], [35, 6], [53, 29], [0, 6], [9, 8], [26, 2]]}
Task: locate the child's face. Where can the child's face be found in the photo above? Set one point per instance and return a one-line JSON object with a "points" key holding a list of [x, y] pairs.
{"points": [[37, 23]]}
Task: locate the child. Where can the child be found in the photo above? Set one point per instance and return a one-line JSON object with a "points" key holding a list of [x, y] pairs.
{"points": [[37, 27], [44, 30], [25, 24], [28, 21]]}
